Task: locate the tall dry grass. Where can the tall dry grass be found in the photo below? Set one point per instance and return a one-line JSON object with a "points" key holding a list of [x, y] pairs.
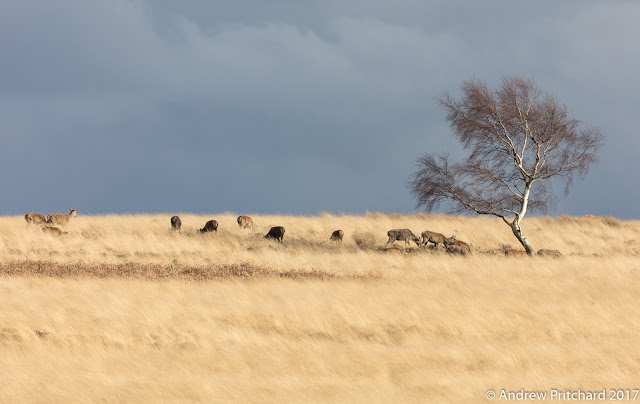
{"points": [[147, 239], [234, 317]]}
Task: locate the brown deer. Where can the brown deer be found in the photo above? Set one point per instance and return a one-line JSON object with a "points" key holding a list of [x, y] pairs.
{"points": [[452, 241], [514, 252], [549, 253], [54, 231], [432, 237], [176, 223], [245, 222], [393, 251], [337, 236], [60, 218], [458, 249], [210, 226], [405, 235], [35, 218], [276, 232]]}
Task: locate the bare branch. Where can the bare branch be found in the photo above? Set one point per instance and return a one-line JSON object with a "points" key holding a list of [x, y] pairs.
{"points": [[518, 140]]}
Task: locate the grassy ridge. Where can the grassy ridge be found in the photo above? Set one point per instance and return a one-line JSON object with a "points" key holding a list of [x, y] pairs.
{"points": [[146, 239]]}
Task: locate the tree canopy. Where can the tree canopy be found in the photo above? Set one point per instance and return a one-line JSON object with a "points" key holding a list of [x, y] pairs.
{"points": [[517, 139]]}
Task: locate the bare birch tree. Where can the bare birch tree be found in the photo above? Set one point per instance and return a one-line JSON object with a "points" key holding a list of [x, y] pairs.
{"points": [[518, 140]]}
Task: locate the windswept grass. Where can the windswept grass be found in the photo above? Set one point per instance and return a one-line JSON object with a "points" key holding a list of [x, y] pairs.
{"points": [[123, 309], [148, 240]]}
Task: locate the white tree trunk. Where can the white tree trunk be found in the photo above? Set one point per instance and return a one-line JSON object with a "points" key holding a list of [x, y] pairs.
{"points": [[517, 231], [515, 225]]}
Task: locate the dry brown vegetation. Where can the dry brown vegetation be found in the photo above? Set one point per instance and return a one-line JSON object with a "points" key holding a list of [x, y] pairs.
{"points": [[123, 309]]}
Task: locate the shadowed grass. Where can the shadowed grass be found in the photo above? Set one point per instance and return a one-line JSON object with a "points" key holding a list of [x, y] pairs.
{"points": [[159, 272]]}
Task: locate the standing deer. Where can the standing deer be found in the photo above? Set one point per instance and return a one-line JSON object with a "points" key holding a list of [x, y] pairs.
{"points": [[60, 218], [176, 223], [35, 218], [402, 234], [337, 236], [245, 222], [276, 232], [432, 237]]}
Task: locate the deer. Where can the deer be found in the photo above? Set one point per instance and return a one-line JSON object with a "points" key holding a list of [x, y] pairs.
{"points": [[549, 253], [452, 241], [245, 222], [35, 218], [514, 252], [432, 237], [393, 251], [337, 236], [60, 218], [54, 231], [276, 233], [210, 226], [458, 249], [402, 234], [176, 223]]}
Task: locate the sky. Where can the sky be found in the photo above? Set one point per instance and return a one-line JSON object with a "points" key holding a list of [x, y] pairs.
{"points": [[289, 107]]}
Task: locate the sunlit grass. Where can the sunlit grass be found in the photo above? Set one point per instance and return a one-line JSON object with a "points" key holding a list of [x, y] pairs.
{"points": [[232, 316]]}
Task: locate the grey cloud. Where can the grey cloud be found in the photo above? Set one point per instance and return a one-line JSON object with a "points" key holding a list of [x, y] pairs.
{"points": [[211, 107]]}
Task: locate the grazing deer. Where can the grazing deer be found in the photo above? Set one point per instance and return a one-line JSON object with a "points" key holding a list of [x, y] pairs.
{"points": [[245, 222], [402, 234], [276, 232], [210, 226], [337, 236], [60, 218], [176, 223], [35, 218]]}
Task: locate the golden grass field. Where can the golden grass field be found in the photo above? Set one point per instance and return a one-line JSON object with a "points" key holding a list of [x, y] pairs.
{"points": [[123, 309]]}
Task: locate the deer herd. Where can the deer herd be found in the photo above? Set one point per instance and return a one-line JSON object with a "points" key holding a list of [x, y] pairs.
{"points": [[450, 244], [54, 218]]}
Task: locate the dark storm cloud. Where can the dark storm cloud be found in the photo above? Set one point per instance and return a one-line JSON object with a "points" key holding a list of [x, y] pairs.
{"points": [[208, 107]]}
